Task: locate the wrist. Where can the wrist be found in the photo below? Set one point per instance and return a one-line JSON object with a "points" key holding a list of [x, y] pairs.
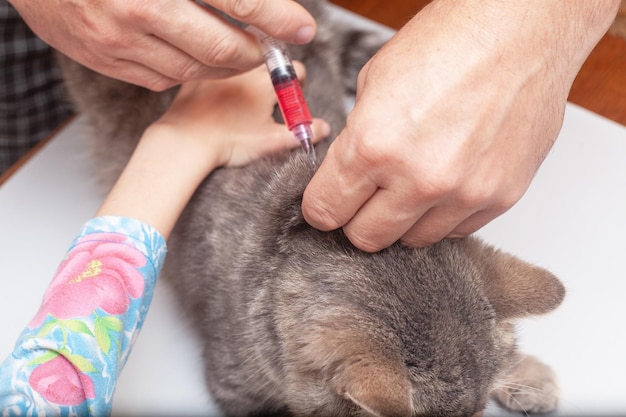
{"points": [[159, 179], [558, 33], [170, 149]]}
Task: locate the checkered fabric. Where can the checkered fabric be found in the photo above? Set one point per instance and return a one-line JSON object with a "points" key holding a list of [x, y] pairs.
{"points": [[32, 99]]}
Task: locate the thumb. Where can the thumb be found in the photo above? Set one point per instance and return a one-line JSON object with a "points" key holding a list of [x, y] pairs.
{"points": [[285, 20]]}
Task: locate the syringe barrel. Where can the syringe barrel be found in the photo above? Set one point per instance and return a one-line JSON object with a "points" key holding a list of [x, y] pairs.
{"points": [[288, 91], [275, 54]]}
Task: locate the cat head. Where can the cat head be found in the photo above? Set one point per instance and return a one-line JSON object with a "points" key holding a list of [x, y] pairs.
{"points": [[401, 332]]}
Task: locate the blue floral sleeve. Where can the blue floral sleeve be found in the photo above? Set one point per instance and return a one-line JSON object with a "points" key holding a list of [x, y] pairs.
{"points": [[67, 360]]}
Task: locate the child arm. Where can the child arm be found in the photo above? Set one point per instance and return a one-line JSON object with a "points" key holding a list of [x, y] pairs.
{"points": [[68, 358]]}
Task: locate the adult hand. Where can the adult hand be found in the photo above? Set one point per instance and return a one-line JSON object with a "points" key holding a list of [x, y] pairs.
{"points": [[161, 43], [452, 119]]}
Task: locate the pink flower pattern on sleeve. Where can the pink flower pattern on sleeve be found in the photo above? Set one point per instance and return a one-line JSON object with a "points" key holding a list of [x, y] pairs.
{"points": [[100, 273], [67, 360]]}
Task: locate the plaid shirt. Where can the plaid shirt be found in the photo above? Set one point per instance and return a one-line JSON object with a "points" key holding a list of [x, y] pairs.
{"points": [[32, 98]]}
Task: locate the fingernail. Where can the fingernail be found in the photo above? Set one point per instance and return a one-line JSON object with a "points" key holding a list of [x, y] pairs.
{"points": [[305, 35]]}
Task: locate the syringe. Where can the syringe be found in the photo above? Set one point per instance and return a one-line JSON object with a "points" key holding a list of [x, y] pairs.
{"points": [[287, 87]]}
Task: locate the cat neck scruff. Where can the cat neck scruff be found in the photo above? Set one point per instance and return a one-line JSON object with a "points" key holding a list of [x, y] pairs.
{"points": [[298, 322]]}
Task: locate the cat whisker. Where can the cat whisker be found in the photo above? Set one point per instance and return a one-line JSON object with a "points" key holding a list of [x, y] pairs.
{"points": [[521, 387], [516, 401]]}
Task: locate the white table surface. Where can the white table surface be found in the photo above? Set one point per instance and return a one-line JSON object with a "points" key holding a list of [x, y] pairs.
{"points": [[572, 221]]}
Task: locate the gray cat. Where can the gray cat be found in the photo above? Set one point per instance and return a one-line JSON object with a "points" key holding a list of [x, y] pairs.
{"points": [[298, 322]]}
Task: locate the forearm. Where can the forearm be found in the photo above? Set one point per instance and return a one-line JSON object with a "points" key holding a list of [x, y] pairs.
{"points": [[68, 358], [561, 31], [159, 180]]}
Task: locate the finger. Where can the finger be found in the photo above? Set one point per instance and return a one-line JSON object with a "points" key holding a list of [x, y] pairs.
{"points": [[321, 130], [139, 74], [285, 139], [283, 19], [475, 222], [382, 220], [434, 225], [257, 80], [171, 64], [207, 38], [334, 181], [300, 71]]}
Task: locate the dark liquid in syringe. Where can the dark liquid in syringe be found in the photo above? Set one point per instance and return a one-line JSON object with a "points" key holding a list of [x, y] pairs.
{"points": [[290, 97]]}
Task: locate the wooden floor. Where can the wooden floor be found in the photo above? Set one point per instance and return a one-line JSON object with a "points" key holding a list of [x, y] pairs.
{"points": [[599, 87]]}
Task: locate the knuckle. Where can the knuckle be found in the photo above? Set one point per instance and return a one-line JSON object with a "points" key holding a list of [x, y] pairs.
{"points": [[104, 39], [473, 197], [432, 182], [370, 236], [373, 151], [159, 84], [222, 53], [95, 61], [244, 9], [495, 197], [435, 187], [321, 216], [188, 70], [463, 231], [135, 11], [143, 12], [417, 242], [422, 236], [363, 242]]}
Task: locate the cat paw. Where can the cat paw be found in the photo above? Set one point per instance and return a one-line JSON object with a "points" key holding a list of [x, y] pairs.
{"points": [[530, 387]]}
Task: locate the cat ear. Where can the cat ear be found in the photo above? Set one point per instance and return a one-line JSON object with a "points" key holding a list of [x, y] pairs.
{"points": [[360, 365], [515, 288], [381, 389]]}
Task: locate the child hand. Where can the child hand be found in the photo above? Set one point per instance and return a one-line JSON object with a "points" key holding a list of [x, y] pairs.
{"points": [[209, 124], [231, 120]]}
